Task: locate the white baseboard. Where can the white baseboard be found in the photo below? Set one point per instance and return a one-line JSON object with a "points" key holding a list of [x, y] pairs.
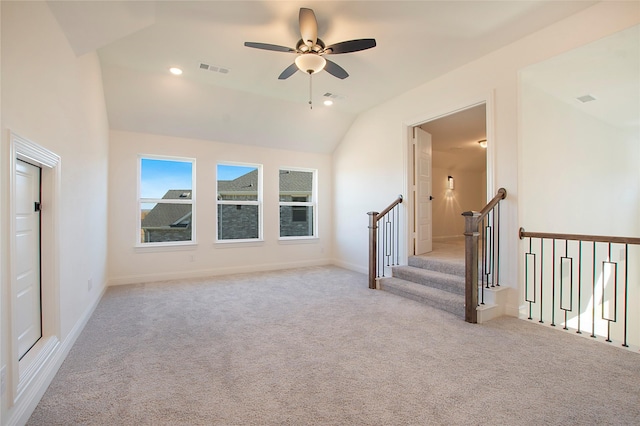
{"points": [[350, 266], [449, 237], [203, 273], [32, 393]]}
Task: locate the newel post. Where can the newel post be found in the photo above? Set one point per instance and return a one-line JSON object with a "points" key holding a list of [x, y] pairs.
{"points": [[471, 235], [373, 248]]}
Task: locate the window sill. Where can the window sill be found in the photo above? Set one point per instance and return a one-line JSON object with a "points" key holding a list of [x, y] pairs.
{"points": [[238, 243], [153, 248], [298, 240]]}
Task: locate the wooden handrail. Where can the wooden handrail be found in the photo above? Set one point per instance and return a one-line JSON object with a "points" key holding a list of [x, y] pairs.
{"points": [[374, 217], [500, 195], [579, 237], [388, 209], [472, 220]]}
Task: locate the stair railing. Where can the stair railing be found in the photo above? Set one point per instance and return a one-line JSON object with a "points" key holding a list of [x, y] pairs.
{"points": [[384, 241], [585, 280], [482, 253]]}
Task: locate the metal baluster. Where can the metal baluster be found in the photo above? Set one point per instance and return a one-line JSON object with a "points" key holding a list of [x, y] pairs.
{"points": [[493, 247], [398, 239], [593, 294], [541, 277], [526, 291], [579, 283], [483, 257], [626, 287], [497, 242], [553, 284]]}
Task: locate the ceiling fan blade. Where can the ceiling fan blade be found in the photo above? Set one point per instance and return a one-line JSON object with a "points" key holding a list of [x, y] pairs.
{"points": [[351, 46], [266, 46], [335, 70], [308, 26], [288, 72]]}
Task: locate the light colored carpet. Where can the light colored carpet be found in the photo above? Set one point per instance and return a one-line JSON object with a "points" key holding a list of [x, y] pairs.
{"points": [[316, 346]]}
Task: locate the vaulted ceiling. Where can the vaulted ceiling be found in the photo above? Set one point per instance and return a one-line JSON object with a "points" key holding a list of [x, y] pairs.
{"points": [[137, 42]]}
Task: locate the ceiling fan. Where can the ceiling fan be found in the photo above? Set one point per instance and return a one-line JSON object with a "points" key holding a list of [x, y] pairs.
{"points": [[311, 49]]}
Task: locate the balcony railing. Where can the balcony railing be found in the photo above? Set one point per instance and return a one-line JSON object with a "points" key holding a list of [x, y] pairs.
{"points": [[587, 283]]}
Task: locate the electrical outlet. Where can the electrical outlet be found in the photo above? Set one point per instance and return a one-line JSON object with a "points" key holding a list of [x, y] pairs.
{"points": [[3, 379], [90, 284]]}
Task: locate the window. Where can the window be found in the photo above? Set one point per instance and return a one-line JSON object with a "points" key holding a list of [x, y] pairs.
{"points": [[166, 201], [239, 202], [297, 203]]}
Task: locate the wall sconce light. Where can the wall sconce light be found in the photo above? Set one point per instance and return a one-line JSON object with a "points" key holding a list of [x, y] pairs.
{"points": [[450, 182]]}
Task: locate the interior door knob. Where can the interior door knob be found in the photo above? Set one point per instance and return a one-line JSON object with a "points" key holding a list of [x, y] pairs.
{"points": [[430, 197]]}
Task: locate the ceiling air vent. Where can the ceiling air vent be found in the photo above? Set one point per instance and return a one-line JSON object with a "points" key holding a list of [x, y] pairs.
{"points": [[213, 68], [585, 98], [333, 96]]}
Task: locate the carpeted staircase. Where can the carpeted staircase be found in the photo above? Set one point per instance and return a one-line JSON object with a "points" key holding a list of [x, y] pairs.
{"points": [[439, 282], [435, 282]]}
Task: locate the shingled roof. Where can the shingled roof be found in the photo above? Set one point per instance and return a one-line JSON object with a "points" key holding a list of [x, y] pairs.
{"points": [[245, 184], [166, 215], [291, 181]]}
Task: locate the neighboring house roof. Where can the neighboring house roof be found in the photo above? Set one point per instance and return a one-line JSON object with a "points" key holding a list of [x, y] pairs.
{"points": [[165, 214], [245, 184], [291, 181]]}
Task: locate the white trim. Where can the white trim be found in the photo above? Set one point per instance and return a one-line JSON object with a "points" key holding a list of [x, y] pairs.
{"points": [[204, 273], [313, 203], [350, 266], [298, 240], [31, 394], [488, 99], [25, 377], [192, 201], [259, 202]]}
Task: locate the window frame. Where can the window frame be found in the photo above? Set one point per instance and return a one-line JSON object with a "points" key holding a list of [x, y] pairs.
{"points": [[313, 203], [141, 201], [258, 202]]}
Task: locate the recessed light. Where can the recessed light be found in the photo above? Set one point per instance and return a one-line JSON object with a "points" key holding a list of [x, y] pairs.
{"points": [[328, 102], [175, 71]]}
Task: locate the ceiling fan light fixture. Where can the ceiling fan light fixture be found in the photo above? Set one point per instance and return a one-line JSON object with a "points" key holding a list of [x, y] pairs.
{"points": [[310, 63]]}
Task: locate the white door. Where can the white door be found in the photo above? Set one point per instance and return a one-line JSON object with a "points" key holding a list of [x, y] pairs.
{"points": [[28, 314], [423, 179]]}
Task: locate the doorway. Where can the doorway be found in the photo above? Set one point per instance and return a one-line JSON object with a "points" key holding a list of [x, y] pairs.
{"points": [[458, 179], [28, 294]]}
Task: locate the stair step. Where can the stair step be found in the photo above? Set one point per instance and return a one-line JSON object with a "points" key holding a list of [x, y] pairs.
{"points": [[439, 280], [440, 299], [444, 266]]}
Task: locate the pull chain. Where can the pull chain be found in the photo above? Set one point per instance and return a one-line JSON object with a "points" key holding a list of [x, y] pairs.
{"points": [[310, 90]]}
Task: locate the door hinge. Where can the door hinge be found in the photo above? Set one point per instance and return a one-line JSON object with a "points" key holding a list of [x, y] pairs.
{"points": [[37, 207]]}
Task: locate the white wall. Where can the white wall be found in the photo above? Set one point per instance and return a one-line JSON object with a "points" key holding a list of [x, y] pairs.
{"points": [[128, 264], [370, 164], [468, 194], [55, 99], [580, 174]]}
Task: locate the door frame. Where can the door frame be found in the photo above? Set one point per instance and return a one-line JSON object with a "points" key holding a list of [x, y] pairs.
{"points": [[444, 110], [25, 376]]}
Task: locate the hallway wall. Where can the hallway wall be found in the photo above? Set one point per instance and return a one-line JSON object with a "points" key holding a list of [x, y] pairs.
{"points": [[54, 99]]}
